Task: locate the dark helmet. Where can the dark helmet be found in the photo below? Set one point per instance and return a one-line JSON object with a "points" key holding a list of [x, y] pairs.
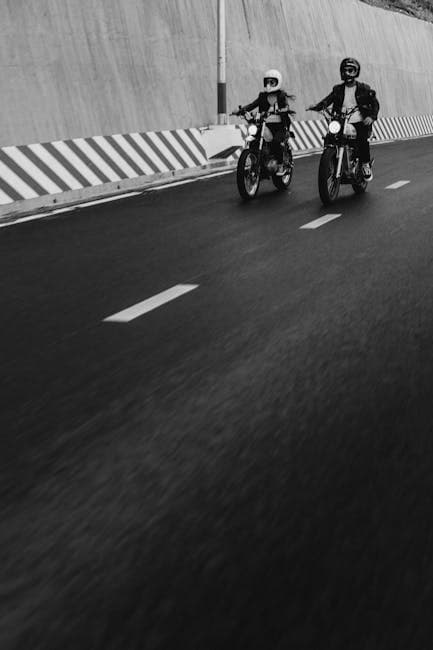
{"points": [[349, 69]]}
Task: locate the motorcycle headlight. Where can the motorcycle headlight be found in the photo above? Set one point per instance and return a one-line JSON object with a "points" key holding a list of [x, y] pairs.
{"points": [[252, 129], [334, 127]]}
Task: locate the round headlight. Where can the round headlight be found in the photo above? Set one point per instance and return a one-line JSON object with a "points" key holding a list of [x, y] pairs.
{"points": [[334, 127], [252, 129]]}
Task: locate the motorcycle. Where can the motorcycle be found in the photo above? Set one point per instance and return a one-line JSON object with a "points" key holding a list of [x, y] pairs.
{"points": [[339, 162], [257, 161]]}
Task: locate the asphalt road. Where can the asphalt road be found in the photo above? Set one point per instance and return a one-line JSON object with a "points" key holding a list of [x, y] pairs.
{"points": [[247, 466]]}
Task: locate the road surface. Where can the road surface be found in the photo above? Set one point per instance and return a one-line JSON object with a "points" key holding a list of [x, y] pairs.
{"points": [[247, 465]]}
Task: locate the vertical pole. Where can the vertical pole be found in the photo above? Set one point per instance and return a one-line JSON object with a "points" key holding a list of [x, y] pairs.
{"points": [[221, 83]]}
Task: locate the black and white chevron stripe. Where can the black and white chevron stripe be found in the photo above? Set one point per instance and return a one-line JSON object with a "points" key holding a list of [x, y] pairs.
{"points": [[30, 171]]}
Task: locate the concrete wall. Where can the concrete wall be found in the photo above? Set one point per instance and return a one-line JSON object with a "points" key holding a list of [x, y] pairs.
{"points": [[72, 68], [309, 38]]}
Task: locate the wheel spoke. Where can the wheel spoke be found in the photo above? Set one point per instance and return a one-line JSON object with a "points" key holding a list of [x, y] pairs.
{"points": [[332, 180], [250, 174]]}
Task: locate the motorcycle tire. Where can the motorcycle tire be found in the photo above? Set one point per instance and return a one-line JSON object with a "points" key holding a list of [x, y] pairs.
{"points": [[359, 188], [282, 183], [360, 184], [248, 174], [329, 186]]}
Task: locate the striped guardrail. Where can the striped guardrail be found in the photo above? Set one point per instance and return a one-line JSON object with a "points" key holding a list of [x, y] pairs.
{"points": [[35, 170], [309, 133]]}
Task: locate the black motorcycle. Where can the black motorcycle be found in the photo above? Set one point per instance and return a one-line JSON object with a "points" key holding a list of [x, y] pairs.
{"points": [[339, 162], [257, 161]]}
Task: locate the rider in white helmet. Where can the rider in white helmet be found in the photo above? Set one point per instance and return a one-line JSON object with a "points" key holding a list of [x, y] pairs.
{"points": [[275, 100]]}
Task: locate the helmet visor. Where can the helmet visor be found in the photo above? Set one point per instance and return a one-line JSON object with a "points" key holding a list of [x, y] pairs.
{"points": [[270, 81]]}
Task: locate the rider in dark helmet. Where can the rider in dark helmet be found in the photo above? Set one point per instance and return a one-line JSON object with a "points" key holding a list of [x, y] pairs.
{"points": [[353, 93], [275, 101]]}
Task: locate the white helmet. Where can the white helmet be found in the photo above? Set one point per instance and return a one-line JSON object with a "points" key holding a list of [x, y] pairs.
{"points": [[272, 80]]}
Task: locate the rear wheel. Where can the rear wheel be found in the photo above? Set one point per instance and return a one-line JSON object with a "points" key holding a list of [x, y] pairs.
{"points": [[329, 185], [360, 185], [359, 188], [248, 174]]}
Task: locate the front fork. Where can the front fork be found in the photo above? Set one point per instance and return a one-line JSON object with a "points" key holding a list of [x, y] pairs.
{"points": [[340, 156], [262, 137]]}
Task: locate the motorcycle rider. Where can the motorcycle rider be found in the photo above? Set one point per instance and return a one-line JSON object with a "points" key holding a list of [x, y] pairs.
{"points": [[347, 95], [275, 101]]}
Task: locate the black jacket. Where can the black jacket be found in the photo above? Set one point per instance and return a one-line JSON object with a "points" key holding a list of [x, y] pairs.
{"points": [[282, 102], [365, 97]]}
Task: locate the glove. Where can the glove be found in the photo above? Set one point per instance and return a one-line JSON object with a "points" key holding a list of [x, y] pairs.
{"points": [[368, 121]]}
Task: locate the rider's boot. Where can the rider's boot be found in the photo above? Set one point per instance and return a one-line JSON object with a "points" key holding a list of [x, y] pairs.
{"points": [[367, 172], [281, 166]]}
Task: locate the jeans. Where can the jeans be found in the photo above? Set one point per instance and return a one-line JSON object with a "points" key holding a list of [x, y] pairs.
{"points": [[278, 134], [363, 132]]}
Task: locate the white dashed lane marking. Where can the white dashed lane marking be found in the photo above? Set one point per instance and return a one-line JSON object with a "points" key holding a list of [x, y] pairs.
{"points": [[312, 225], [396, 185], [127, 315]]}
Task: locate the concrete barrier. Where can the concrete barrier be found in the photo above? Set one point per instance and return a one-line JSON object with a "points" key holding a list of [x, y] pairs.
{"points": [[44, 174]]}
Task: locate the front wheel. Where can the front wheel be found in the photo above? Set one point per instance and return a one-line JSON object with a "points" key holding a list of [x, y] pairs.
{"points": [[329, 185], [248, 174]]}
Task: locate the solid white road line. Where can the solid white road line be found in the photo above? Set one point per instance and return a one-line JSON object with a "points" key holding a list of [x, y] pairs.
{"points": [[126, 315], [312, 225], [307, 154], [43, 215], [206, 176], [117, 197], [34, 217], [188, 180], [396, 185]]}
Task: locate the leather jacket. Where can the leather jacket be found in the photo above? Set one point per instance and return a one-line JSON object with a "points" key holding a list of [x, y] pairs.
{"points": [[365, 97], [282, 102]]}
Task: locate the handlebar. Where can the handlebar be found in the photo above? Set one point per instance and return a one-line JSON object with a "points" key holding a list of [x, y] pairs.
{"points": [[258, 115], [334, 114], [324, 111], [350, 111]]}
